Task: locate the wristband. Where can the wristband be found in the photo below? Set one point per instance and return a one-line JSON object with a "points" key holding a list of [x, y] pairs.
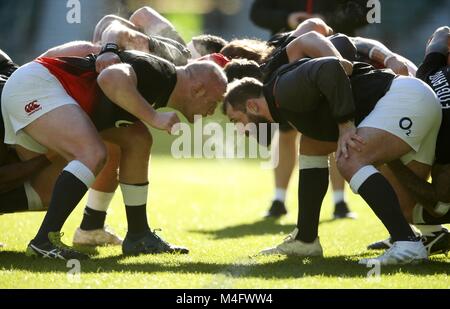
{"points": [[372, 50], [387, 59], [110, 48]]}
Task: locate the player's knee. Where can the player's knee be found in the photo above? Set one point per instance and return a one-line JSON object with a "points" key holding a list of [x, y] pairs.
{"points": [[141, 137], [348, 167], [94, 156]]}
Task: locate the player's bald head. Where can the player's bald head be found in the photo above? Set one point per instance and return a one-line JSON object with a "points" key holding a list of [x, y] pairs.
{"points": [[207, 73]]}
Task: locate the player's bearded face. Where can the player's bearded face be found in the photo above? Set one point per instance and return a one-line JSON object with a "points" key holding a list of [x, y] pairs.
{"points": [[256, 119]]}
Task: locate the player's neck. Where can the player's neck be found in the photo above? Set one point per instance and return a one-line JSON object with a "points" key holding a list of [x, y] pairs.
{"points": [[179, 92]]}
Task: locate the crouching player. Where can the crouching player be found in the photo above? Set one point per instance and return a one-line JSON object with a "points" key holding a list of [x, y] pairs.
{"points": [[427, 205], [377, 102], [54, 104], [26, 185]]}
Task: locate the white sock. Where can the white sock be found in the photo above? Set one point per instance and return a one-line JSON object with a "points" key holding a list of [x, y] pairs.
{"points": [[80, 171], [99, 200], [280, 195], [429, 230], [134, 195], [338, 196]]}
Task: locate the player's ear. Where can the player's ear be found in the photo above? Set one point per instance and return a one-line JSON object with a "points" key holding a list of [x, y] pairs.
{"points": [[252, 106], [198, 90]]}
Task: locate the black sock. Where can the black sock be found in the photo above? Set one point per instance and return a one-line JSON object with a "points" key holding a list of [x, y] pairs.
{"points": [[67, 193], [312, 187], [430, 220], [381, 197], [93, 219], [137, 220]]}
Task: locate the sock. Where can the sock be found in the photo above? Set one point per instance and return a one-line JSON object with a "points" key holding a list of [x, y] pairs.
{"points": [[95, 211], [338, 196], [382, 199], [69, 189], [280, 195], [135, 199], [429, 230], [312, 187]]}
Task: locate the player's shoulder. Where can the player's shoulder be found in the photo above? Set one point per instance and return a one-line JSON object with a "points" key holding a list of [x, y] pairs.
{"points": [[135, 56]]}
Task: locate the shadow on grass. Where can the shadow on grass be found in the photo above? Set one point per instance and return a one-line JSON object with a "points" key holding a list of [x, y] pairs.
{"points": [[260, 267], [262, 227]]}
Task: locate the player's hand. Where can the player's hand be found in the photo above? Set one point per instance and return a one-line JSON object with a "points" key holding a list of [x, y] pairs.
{"points": [[105, 60], [348, 138], [165, 121], [294, 19], [398, 66]]}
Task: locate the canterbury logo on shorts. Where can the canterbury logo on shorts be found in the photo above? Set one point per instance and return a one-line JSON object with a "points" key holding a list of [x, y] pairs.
{"points": [[32, 107]]}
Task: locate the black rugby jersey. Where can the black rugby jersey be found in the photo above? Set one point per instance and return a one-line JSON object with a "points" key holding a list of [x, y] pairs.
{"points": [[436, 73], [314, 95], [279, 57], [156, 81]]}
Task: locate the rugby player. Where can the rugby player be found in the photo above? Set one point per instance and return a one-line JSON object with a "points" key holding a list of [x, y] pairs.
{"points": [[27, 185], [427, 205], [136, 33], [260, 52], [332, 104], [68, 97]]}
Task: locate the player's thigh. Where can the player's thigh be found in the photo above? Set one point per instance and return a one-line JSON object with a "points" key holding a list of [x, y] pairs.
{"points": [[135, 136], [67, 130], [380, 146], [313, 147]]}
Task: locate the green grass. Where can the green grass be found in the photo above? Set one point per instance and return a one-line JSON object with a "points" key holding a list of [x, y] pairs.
{"points": [[214, 208]]}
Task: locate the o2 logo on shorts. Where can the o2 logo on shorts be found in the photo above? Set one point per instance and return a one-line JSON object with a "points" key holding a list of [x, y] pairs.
{"points": [[406, 124], [32, 107]]}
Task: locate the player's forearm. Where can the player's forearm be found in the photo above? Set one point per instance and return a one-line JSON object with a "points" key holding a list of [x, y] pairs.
{"points": [[15, 174], [312, 45], [374, 50], [312, 24], [125, 38], [423, 191], [150, 22]]}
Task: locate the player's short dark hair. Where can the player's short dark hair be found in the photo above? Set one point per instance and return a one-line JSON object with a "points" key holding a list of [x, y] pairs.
{"points": [[239, 91], [240, 68], [250, 49], [206, 44]]}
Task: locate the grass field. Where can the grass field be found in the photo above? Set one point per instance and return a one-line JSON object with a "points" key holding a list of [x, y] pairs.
{"points": [[214, 208]]}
